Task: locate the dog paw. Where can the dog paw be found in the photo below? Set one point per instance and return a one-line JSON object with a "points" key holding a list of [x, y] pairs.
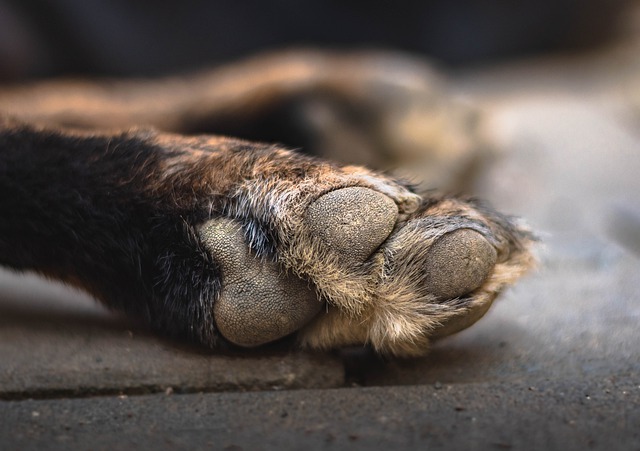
{"points": [[207, 237], [346, 257]]}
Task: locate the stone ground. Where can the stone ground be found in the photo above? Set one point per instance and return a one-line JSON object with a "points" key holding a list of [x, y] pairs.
{"points": [[554, 365]]}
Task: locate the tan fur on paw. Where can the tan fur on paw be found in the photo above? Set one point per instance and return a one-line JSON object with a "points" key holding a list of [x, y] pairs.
{"points": [[437, 273]]}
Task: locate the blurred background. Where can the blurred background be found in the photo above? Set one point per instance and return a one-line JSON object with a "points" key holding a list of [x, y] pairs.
{"points": [[41, 38]]}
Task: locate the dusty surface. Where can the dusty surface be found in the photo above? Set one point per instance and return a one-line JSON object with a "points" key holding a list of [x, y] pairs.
{"points": [[552, 415], [554, 365]]}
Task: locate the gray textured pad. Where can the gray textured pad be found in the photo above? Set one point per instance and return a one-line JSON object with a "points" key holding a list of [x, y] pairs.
{"points": [[259, 303], [353, 222], [458, 263]]}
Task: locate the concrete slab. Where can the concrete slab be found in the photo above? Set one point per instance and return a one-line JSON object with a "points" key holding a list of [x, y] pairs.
{"points": [[600, 414]]}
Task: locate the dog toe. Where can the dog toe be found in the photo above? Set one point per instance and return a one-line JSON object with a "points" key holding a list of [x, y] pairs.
{"points": [[458, 263], [352, 222]]}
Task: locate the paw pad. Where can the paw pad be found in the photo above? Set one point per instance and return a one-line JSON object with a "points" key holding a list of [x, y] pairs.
{"points": [[259, 303], [458, 263], [352, 222]]}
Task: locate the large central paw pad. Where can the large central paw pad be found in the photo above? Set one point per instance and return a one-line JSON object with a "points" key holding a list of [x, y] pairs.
{"points": [[259, 302]]}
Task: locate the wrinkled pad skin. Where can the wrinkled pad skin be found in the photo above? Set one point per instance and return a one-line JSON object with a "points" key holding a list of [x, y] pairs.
{"points": [[458, 263], [259, 302], [353, 222]]}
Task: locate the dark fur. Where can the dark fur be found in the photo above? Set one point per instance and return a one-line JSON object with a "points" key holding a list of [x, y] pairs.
{"points": [[86, 210]]}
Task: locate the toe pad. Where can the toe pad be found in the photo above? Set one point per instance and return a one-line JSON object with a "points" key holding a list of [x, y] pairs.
{"points": [[458, 263], [353, 222]]}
